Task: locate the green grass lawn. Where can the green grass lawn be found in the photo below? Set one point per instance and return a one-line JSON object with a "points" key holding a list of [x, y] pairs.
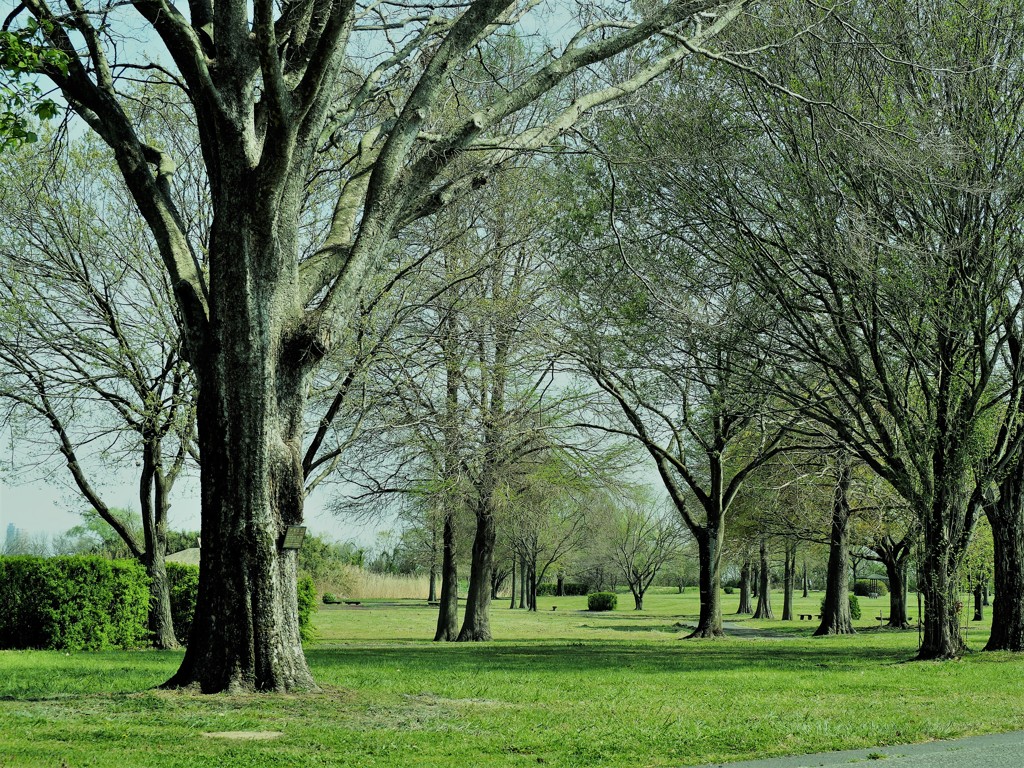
{"points": [[559, 688]]}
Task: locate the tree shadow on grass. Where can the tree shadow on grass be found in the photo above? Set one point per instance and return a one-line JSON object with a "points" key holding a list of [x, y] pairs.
{"points": [[697, 657]]}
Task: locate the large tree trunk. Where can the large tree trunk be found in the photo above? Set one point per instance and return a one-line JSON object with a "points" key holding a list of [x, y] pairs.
{"points": [[745, 606], [448, 610], [476, 624], [1007, 519], [835, 614], [252, 368], [709, 558], [789, 582], [764, 592], [245, 634], [896, 570], [942, 638]]}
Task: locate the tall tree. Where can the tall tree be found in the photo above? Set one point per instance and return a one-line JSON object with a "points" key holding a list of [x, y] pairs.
{"points": [[378, 87], [88, 346]]}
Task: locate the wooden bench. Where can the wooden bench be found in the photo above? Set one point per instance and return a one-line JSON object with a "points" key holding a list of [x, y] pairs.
{"points": [[353, 602], [807, 616]]}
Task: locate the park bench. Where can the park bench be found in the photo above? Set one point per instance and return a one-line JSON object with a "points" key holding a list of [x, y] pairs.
{"points": [[807, 616], [353, 602]]}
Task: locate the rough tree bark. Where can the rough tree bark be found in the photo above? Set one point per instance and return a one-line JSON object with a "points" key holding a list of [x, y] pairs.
{"points": [[764, 592], [745, 606], [476, 623], [709, 549], [1006, 516], [835, 613], [448, 610]]}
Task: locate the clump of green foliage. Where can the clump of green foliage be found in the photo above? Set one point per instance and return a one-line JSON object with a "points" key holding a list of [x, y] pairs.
{"points": [[23, 53], [602, 601], [307, 604], [864, 587], [330, 598], [73, 603]]}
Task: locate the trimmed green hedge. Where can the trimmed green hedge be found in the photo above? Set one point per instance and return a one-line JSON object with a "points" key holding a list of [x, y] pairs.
{"points": [[184, 586], [73, 603], [569, 589]]}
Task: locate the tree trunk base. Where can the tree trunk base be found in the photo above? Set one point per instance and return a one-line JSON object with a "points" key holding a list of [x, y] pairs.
{"points": [[706, 633]]}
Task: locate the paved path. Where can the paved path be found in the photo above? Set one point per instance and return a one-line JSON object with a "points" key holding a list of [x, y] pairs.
{"points": [[1003, 750]]}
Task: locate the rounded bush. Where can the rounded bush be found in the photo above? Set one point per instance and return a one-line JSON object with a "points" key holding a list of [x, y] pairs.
{"points": [[330, 598], [602, 601], [183, 579], [729, 590]]}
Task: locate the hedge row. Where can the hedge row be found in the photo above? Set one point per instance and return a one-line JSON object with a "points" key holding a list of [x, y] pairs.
{"points": [[568, 588], [90, 603], [73, 603]]}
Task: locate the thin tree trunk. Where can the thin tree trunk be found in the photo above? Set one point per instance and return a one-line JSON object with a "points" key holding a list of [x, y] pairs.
{"points": [[560, 585], [154, 504], [448, 610], [835, 613], [523, 583], [789, 582], [979, 608], [805, 582], [764, 592], [745, 606], [432, 591], [709, 557], [512, 602]]}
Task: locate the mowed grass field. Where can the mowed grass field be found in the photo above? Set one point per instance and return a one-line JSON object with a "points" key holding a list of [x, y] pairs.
{"points": [[560, 687]]}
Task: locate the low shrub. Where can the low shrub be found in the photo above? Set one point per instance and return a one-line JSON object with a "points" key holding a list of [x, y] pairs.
{"points": [[73, 603], [864, 587], [307, 604], [729, 590], [330, 598], [602, 601]]}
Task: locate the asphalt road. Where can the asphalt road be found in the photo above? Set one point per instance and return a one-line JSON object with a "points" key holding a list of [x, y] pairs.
{"points": [[1003, 750]]}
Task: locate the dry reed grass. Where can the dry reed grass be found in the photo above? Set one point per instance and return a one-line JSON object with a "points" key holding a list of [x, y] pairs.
{"points": [[358, 584]]}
